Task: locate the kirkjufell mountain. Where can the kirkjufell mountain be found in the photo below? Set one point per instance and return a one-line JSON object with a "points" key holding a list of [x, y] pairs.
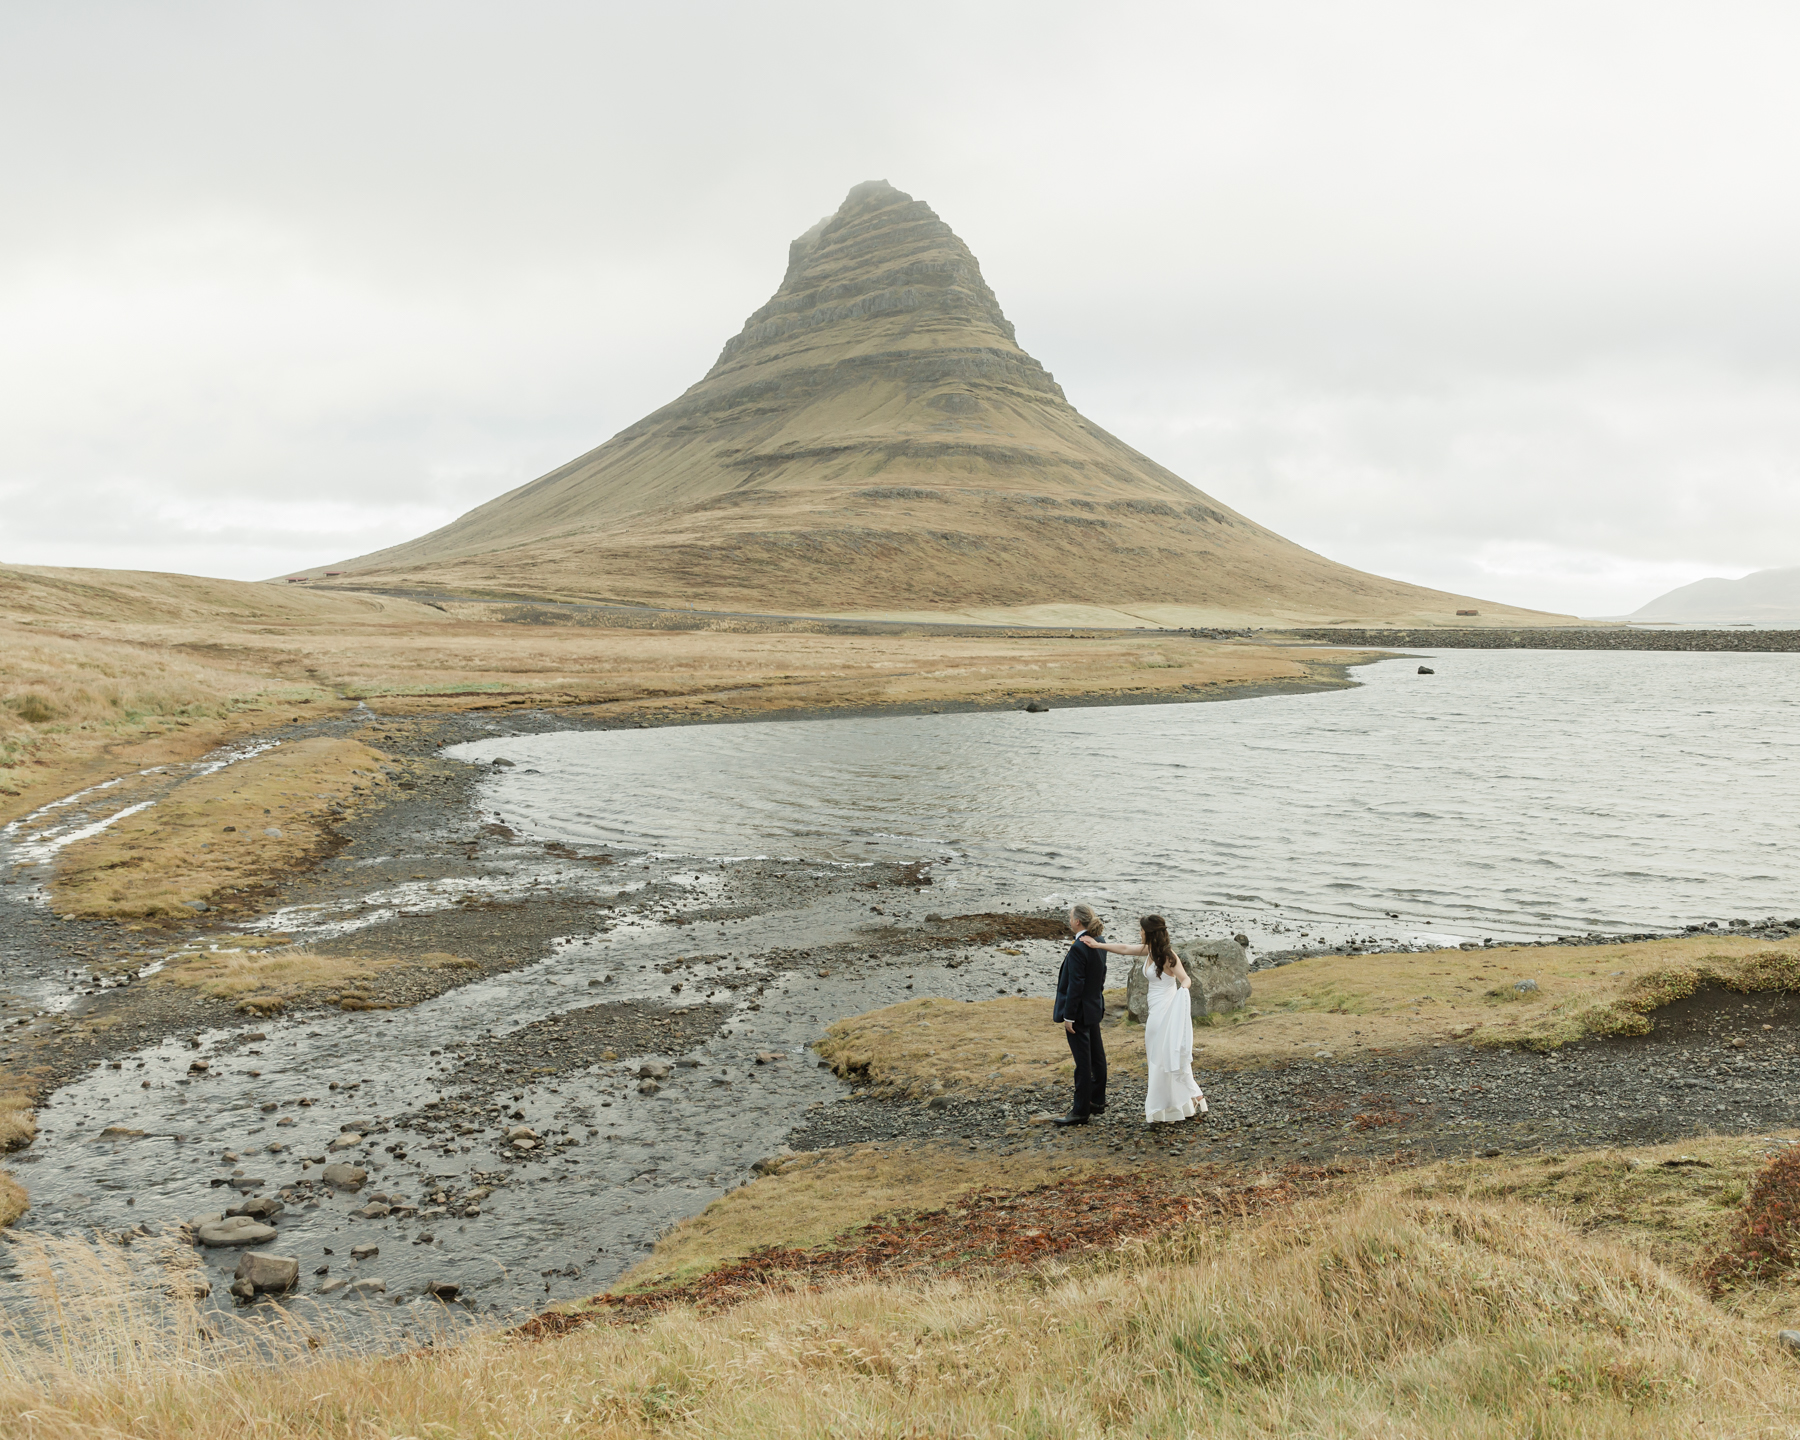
{"points": [[875, 441]]}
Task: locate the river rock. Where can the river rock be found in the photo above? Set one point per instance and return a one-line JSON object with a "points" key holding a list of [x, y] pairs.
{"points": [[1789, 1340], [374, 1210], [648, 1087], [439, 1290], [344, 1177], [1033, 708], [263, 1207], [521, 1132], [265, 1272], [120, 1132], [364, 1252], [235, 1230], [349, 1140], [1426, 670], [1220, 970], [370, 1286], [331, 1287], [653, 1070]]}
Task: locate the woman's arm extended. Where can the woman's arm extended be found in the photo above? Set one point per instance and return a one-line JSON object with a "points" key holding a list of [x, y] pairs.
{"points": [[1114, 949]]}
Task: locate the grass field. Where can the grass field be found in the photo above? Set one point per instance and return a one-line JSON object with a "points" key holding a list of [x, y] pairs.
{"points": [[1458, 1300], [1346, 1006]]}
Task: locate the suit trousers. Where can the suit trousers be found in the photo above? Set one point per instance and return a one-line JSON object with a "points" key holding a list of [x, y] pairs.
{"points": [[1089, 1051]]}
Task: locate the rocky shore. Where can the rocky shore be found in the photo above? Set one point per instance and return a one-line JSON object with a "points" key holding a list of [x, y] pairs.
{"points": [[1572, 637]]}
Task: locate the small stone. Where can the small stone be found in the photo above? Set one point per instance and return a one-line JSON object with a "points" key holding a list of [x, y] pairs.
{"points": [[1526, 987], [1788, 1340], [344, 1177], [438, 1290], [372, 1211], [521, 1132], [769, 1057], [331, 1287], [271, 1273], [525, 1144], [272, 831], [1490, 1154], [1426, 670], [648, 1087], [768, 1165], [120, 1132], [653, 1070], [254, 1037], [364, 1252], [235, 1230], [263, 1207], [368, 1287], [349, 1140], [1033, 708], [938, 1102]]}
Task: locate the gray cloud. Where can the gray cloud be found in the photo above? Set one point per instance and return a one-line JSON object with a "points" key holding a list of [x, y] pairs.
{"points": [[1495, 300]]}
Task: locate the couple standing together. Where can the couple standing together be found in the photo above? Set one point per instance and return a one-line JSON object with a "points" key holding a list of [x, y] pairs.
{"points": [[1172, 1093]]}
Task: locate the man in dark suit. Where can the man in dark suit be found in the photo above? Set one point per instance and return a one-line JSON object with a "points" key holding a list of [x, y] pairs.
{"points": [[1080, 1007]]}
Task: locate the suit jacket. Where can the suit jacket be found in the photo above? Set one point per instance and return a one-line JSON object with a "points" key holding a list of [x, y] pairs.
{"points": [[1081, 985]]}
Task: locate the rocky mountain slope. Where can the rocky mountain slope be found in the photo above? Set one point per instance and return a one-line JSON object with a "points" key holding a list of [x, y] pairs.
{"points": [[875, 440]]}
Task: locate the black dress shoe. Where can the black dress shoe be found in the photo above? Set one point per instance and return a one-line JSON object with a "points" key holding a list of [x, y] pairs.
{"points": [[1070, 1120]]}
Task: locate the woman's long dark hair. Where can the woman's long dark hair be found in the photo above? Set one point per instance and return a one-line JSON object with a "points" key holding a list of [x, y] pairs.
{"points": [[1156, 936]]}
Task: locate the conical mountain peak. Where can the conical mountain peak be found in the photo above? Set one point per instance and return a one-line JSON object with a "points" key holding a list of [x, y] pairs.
{"points": [[874, 439], [883, 265]]}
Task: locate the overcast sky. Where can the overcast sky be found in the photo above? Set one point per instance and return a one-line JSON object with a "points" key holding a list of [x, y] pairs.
{"points": [[1496, 298]]}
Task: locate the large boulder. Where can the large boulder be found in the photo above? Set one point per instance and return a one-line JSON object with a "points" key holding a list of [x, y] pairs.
{"points": [[235, 1230], [274, 1273], [1220, 970]]}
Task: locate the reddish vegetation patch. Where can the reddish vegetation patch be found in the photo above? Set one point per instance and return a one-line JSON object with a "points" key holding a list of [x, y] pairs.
{"points": [[991, 927], [987, 1231], [1766, 1238]]}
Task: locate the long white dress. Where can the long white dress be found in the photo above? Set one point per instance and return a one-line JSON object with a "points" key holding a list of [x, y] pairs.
{"points": [[1173, 1093]]}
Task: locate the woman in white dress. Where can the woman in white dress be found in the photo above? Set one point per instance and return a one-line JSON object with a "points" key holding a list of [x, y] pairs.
{"points": [[1172, 1094]]}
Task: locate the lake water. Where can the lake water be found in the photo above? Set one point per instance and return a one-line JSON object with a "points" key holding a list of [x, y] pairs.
{"points": [[1515, 794]]}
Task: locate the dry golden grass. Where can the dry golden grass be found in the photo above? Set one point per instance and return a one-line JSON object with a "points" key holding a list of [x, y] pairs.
{"points": [[1669, 1202], [14, 1202], [217, 834], [1353, 1004], [1349, 1005], [18, 1128], [1372, 1312], [816, 1196], [921, 1046], [266, 978], [18, 1123]]}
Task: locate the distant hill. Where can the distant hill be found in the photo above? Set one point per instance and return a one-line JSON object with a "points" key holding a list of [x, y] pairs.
{"points": [[875, 441], [1767, 597]]}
